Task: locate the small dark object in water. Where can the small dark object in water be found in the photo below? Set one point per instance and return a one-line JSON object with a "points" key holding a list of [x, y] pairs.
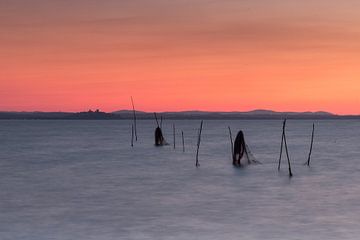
{"points": [[159, 138], [239, 149]]}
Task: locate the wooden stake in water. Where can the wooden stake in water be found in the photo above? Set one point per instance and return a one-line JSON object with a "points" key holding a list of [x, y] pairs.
{"points": [[287, 155], [183, 142], [283, 140], [197, 164], [174, 134], [282, 143], [157, 122], [134, 115], [132, 135], [232, 144], [311, 145]]}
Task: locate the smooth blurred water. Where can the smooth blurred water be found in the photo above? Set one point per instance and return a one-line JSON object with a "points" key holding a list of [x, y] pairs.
{"points": [[82, 180]]}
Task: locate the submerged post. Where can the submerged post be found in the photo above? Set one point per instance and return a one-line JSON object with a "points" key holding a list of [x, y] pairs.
{"points": [[174, 134], [183, 142], [134, 115], [198, 145], [288, 158], [157, 122], [159, 138], [232, 143], [132, 135], [311, 145], [282, 142], [286, 149]]}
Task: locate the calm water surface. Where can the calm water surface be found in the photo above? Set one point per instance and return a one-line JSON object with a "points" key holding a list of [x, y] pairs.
{"points": [[82, 180]]}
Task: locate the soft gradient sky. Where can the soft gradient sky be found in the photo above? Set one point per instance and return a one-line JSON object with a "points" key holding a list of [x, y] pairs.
{"points": [[229, 55]]}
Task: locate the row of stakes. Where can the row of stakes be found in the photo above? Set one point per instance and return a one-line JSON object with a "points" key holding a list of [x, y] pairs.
{"points": [[238, 148]]}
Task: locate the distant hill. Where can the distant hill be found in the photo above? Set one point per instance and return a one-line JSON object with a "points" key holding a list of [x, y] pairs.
{"points": [[255, 114], [128, 114]]}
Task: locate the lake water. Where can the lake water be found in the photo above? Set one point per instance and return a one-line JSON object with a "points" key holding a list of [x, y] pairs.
{"points": [[82, 180]]}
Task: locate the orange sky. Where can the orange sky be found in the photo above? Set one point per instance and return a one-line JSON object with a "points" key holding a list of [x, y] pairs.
{"points": [[218, 55]]}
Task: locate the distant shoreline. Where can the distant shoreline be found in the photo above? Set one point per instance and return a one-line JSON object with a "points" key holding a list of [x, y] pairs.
{"points": [[185, 115]]}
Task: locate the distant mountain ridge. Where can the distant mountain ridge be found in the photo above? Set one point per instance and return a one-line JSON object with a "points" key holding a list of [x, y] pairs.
{"points": [[191, 114], [256, 112]]}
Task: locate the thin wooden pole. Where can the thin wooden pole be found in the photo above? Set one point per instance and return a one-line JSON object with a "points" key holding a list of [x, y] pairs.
{"points": [[311, 145], [132, 135], [132, 102], [157, 122], [288, 158], [282, 142], [232, 144], [287, 152], [197, 164], [247, 154], [174, 134], [183, 141]]}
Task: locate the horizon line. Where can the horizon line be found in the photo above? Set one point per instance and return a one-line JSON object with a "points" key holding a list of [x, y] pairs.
{"points": [[180, 111]]}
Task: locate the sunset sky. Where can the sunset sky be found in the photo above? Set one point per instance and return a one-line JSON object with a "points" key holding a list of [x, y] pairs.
{"points": [[172, 55]]}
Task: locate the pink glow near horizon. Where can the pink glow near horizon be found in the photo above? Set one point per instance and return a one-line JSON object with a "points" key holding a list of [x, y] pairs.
{"points": [[177, 55]]}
